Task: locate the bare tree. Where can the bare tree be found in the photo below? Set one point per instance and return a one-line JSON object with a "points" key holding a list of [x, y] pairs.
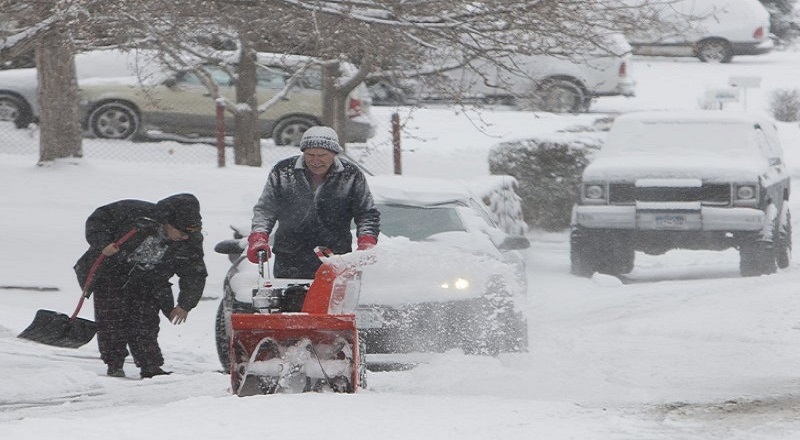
{"points": [[408, 38], [382, 37], [45, 27]]}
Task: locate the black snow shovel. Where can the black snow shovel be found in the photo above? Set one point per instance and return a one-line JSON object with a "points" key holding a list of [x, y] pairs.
{"points": [[58, 329]]}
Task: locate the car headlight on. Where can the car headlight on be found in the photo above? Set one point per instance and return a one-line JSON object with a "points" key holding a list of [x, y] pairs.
{"points": [[455, 284], [594, 192]]}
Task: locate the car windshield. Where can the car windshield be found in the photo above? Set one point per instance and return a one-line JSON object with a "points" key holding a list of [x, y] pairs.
{"points": [[418, 223], [681, 138]]}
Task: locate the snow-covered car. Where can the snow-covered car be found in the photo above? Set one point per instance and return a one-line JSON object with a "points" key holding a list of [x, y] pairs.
{"points": [[711, 30], [126, 94], [565, 80], [703, 180], [444, 276], [18, 87]]}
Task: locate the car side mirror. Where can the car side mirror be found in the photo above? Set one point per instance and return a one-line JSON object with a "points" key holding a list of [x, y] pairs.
{"points": [[515, 242]]}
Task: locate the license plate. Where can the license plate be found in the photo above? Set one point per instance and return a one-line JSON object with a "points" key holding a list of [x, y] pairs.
{"points": [[366, 318], [671, 220]]}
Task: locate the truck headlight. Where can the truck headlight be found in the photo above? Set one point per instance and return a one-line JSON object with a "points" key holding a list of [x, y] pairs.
{"points": [[594, 192], [745, 192]]}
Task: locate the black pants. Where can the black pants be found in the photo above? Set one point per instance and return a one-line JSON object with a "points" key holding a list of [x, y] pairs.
{"points": [[128, 317]]}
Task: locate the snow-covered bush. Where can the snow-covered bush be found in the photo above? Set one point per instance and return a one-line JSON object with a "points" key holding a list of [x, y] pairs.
{"points": [[499, 193], [784, 104], [548, 171]]}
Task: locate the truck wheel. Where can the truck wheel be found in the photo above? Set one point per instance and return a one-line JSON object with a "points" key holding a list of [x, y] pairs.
{"points": [[618, 255], [583, 253], [783, 240], [756, 258], [715, 51]]}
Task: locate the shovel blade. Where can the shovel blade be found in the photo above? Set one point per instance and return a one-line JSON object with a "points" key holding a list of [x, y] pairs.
{"points": [[57, 329]]}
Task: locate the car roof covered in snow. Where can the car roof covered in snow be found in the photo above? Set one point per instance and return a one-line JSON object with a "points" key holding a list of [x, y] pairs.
{"points": [[416, 191]]}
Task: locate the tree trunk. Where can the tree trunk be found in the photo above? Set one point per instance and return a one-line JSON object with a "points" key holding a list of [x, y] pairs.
{"points": [[59, 110], [334, 102], [247, 139]]}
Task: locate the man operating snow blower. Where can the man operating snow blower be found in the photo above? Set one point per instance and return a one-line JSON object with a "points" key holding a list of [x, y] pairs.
{"points": [[313, 197], [313, 344]]}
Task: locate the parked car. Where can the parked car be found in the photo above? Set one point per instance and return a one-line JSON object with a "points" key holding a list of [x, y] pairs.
{"points": [[444, 275], [562, 81], [18, 87], [144, 95], [711, 30], [667, 180]]}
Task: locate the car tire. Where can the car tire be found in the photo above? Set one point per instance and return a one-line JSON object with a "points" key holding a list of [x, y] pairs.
{"points": [[222, 338], [15, 109], [783, 241], [114, 120], [558, 96], [715, 51], [289, 131], [362, 363]]}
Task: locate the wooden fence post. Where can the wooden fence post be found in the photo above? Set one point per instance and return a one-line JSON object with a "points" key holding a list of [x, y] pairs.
{"points": [[220, 133], [398, 166]]}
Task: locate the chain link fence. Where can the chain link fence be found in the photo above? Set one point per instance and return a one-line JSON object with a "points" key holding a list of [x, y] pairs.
{"points": [[375, 156]]}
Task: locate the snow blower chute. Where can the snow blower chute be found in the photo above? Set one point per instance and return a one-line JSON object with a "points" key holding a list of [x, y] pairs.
{"points": [[303, 337]]}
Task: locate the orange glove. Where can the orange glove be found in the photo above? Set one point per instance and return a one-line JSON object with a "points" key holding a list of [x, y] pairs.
{"points": [[366, 242], [258, 242]]}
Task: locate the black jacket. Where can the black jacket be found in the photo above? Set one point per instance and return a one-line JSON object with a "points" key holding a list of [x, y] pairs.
{"points": [[147, 260], [309, 218]]}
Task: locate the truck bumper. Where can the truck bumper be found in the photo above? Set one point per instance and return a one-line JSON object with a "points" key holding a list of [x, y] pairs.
{"points": [[703, 219]]}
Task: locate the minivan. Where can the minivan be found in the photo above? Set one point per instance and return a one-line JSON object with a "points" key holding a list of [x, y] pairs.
{"points": [[712, 30]]}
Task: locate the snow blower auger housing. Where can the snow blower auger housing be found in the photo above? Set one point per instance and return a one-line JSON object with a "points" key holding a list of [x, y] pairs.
{"points": [[303, 337]]}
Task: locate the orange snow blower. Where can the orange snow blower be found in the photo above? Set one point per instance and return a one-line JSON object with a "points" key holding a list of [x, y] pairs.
{"points": [[284, 348]]}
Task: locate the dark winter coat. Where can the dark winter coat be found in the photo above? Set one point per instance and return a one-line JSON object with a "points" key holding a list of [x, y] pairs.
{"points": [[147, 260], [308, 218]]}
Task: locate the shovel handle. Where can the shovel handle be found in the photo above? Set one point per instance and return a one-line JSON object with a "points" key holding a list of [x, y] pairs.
{"points": [[93, 269]]}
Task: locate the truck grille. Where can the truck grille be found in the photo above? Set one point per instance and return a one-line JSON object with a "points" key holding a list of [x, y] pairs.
{"points": [[717, 194]]}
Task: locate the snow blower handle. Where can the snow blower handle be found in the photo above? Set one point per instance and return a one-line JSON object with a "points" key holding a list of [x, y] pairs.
{"points": [[262, 258]]}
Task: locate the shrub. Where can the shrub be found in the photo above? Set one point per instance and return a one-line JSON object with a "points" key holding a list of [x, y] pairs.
{"points": [[785, 104], [499, 193], [549, 173]]}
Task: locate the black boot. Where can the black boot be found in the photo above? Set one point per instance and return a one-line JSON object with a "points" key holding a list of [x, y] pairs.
{"points": [[115, 371], [148, 372]]}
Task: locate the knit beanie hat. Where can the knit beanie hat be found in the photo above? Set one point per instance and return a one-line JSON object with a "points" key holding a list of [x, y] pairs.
{"points": [[320, 137], [181, 211]]}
